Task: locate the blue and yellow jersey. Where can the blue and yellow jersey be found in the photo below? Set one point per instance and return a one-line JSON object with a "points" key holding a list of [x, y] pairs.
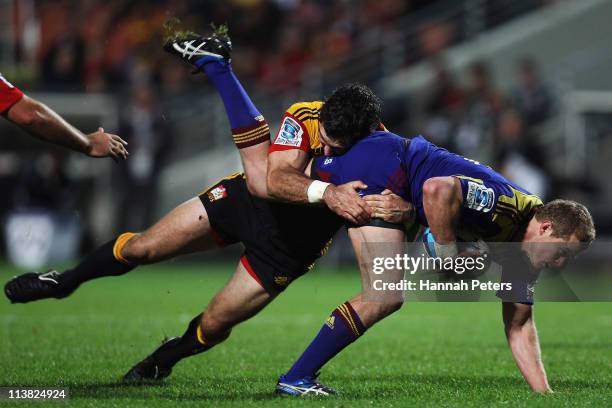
{"points": [[299, 129], [494, 209]]}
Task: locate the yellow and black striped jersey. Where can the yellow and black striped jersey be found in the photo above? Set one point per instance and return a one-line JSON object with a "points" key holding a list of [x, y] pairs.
{"points": [[299, 129]]}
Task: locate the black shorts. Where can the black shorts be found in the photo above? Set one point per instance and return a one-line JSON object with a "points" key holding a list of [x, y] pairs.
{"points": [[281, 240]]}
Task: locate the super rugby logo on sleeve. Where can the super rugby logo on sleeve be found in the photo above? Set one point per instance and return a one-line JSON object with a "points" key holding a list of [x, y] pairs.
{"points": [[217, 193], [479, 197], [290, 133]]}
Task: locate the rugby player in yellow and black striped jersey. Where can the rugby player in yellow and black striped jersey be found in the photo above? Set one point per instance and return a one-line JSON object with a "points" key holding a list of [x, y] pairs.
{"points": [[281, 241], [308, 129]]}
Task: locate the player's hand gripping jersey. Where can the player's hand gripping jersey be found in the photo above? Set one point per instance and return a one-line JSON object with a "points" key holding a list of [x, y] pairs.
{"points": [[494, 209], [9, 94]]}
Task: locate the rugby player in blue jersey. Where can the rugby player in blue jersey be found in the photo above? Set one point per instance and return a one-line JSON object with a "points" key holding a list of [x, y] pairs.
{"points": [[453, 196]]}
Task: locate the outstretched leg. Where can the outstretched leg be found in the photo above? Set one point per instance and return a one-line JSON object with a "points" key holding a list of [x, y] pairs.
{"points": [[250, 131], [183, 230], [240, 299]]}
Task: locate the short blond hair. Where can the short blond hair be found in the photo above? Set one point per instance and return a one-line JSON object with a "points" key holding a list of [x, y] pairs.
{"points": [[568, 217]]}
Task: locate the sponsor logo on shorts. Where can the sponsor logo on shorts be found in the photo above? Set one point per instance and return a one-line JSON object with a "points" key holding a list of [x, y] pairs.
{"points": [[290, 133], [328, 161], [217, 193], [259, 118], [479, 197], [281, 280]]}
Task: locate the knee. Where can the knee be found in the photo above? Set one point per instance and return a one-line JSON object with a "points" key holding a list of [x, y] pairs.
{"points": [[393, 306], [138, 251], [387, 308], [214, 328]]}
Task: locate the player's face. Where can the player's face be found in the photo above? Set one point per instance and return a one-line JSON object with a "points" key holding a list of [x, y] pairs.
{"points": [[547, 251], [330, 147]]}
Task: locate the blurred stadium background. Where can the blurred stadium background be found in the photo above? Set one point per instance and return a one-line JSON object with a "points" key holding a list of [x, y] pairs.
{"points": [[520, 85]]}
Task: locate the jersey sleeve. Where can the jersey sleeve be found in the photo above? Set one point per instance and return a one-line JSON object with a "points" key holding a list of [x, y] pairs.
{"points": [[292, 134], [480, 200], [9, 94], [494, 208]]}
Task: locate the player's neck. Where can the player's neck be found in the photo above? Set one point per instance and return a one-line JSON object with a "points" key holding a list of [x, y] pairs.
{"points": [[527, 230]]}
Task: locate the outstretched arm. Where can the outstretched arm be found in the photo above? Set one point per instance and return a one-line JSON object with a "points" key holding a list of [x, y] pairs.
{"points": [[42, 122], [523, 341]]}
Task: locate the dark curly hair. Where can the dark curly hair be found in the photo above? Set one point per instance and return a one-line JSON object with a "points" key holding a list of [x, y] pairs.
{"points": [[351, 113]]}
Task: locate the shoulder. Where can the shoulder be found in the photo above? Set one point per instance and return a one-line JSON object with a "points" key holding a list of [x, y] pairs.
{"points": [[305, 110]]}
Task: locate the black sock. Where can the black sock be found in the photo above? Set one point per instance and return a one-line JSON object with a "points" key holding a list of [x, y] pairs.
{"points": [[189, 344], [106, 260]]}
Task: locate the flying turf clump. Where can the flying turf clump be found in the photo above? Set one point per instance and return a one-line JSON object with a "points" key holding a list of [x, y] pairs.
{"points": [[221, 32], [173, 31]]}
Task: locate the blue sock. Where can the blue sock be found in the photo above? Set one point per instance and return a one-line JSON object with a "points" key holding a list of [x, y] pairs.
{"points": [[340, 329], [248, 125]]}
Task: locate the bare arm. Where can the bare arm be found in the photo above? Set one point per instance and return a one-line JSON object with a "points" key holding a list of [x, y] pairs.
{"points": [[286, 181], [522, 338], [442, 199], [42, 122]]}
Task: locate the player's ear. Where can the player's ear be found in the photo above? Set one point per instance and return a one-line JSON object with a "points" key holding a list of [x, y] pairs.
{"points": [[546, 228]]}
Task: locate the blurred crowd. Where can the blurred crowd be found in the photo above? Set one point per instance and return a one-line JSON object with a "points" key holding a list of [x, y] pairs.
{"points": [[96, 45], [480, 121]]}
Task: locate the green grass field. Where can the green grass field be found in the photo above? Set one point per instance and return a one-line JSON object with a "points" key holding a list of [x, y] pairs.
{"points": [[428, 354]]}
